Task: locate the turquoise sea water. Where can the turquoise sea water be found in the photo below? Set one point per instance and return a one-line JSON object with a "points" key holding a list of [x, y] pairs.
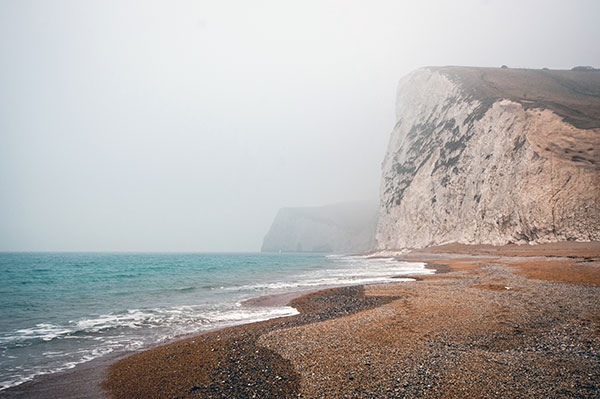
{"points": [[58, 310]]}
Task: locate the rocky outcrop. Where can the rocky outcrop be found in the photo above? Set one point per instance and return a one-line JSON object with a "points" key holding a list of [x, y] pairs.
{"points": [[340, 228], [492, 156]]}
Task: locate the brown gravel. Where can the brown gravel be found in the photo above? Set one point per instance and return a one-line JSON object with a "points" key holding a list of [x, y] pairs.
{"points": [[229, 363], [502, 322]]}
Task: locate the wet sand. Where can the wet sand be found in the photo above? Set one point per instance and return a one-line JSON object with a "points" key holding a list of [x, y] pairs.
{"points": [[513, 321], [81, 382], [277, 299]]}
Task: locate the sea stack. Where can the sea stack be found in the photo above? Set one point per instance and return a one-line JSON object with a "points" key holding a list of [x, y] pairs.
{"points": [[492, 156]]}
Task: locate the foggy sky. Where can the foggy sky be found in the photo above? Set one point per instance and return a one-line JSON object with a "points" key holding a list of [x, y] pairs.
{"points": [[185, 126]]}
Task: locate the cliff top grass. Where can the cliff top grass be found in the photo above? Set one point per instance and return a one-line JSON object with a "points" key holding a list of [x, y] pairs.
{"points": [[573, 95]]}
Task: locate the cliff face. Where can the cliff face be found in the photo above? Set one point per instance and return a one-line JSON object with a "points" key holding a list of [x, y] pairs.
{"points": [[341, 228], [493, 156]]}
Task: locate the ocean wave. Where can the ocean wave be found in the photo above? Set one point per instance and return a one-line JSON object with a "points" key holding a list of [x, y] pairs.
{"points": [[194, 306], [175, 321], [178, 316], [324, 282], [347, 272], [24, 374]]}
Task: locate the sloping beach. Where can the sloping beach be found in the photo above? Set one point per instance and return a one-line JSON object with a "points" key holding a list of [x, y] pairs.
{"points": [[492, 322], [512, 321]]}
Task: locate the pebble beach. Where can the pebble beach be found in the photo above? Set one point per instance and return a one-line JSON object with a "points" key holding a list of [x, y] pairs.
{"points": [[487, 324], [492, 322]]}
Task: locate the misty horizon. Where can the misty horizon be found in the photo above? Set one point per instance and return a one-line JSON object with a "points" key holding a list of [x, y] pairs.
{"points": [[185, 127]]}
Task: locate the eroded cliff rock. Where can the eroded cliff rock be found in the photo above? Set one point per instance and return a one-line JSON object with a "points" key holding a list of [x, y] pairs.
{"points": [[492, 156], [341, 228]]}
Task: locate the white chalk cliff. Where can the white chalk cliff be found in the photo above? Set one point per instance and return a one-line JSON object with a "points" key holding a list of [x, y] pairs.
{"points": [[492, 156], [346, 227]]}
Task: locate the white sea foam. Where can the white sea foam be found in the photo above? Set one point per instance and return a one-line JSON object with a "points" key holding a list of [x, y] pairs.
{"points": [[350, 270], [174, 322], [81, 340]]}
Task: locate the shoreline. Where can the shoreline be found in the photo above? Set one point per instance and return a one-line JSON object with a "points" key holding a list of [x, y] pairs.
{"points": [[231, 350], [84, 379], [378, 339], [482, 329], [280, 299]]}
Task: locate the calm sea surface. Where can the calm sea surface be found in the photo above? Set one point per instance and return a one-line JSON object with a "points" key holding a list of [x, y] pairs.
{"points": [[58, 310]]}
